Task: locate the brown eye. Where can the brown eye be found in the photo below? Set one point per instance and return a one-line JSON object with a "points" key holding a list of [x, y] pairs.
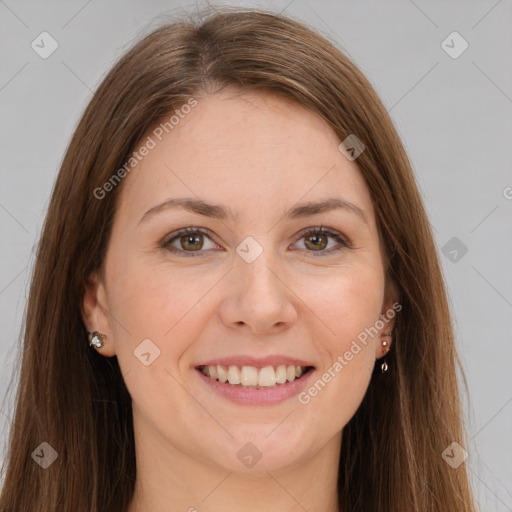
{"points": [[315, 241], [189, 241], [318, 239]]}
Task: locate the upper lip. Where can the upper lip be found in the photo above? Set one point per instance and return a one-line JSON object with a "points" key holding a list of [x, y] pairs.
{"points": [[257, 362]]}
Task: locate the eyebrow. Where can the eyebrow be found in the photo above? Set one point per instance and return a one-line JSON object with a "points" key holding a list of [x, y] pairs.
{"points": [[220, 212]]}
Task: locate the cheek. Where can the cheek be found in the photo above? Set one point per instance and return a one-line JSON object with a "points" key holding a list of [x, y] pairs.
{"points": [[349, 303], [349, 306], [158, 302], [167, 307]]}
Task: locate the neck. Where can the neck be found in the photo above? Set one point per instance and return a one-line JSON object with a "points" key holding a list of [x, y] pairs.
{"points": [[167, 477]]}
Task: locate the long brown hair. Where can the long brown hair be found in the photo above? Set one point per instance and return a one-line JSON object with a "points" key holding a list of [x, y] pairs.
{"points": [[75, 399]]}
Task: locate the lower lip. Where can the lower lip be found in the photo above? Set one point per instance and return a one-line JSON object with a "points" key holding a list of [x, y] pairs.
{"points": [[246, 396]]}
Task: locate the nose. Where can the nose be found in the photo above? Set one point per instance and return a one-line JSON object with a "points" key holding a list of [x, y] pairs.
{"points": [[258, 300]]}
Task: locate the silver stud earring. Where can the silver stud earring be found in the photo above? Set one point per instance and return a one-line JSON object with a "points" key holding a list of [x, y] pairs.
{"points": [[96, 339]]}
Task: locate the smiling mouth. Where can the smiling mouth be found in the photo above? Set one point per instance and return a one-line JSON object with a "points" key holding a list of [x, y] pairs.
{"points": [[251, 377]]}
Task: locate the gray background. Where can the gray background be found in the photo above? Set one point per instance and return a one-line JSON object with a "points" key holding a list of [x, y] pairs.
{"points": [[454, 116]]}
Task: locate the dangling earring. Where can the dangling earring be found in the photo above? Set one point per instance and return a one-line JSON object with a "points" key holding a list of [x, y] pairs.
{"points": [[96, 339], [384, 366]]}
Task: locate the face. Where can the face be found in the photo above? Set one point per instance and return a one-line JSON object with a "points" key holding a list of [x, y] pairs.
{"points": [[250, 284]]}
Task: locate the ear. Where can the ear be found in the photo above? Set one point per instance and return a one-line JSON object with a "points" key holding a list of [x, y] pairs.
{"points": [[390, 309], [94, 311]]}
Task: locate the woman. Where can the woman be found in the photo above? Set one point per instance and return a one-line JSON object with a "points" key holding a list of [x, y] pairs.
{"points": [[237, 301]]}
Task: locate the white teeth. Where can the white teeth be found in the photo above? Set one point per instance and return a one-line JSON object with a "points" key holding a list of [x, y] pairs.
{"points": [[233, 375], [222, 374], [281, 374], [213, 372], [267, 376], [251, 376]]}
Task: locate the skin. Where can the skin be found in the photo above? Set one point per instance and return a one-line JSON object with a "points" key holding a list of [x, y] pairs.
{"points": [[291, 300]]}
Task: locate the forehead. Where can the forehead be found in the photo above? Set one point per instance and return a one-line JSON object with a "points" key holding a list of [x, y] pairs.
{"points": [[247, 150]]}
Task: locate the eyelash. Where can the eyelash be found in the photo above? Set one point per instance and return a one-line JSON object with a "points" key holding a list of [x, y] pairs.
{"points": [[343, 243]]}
